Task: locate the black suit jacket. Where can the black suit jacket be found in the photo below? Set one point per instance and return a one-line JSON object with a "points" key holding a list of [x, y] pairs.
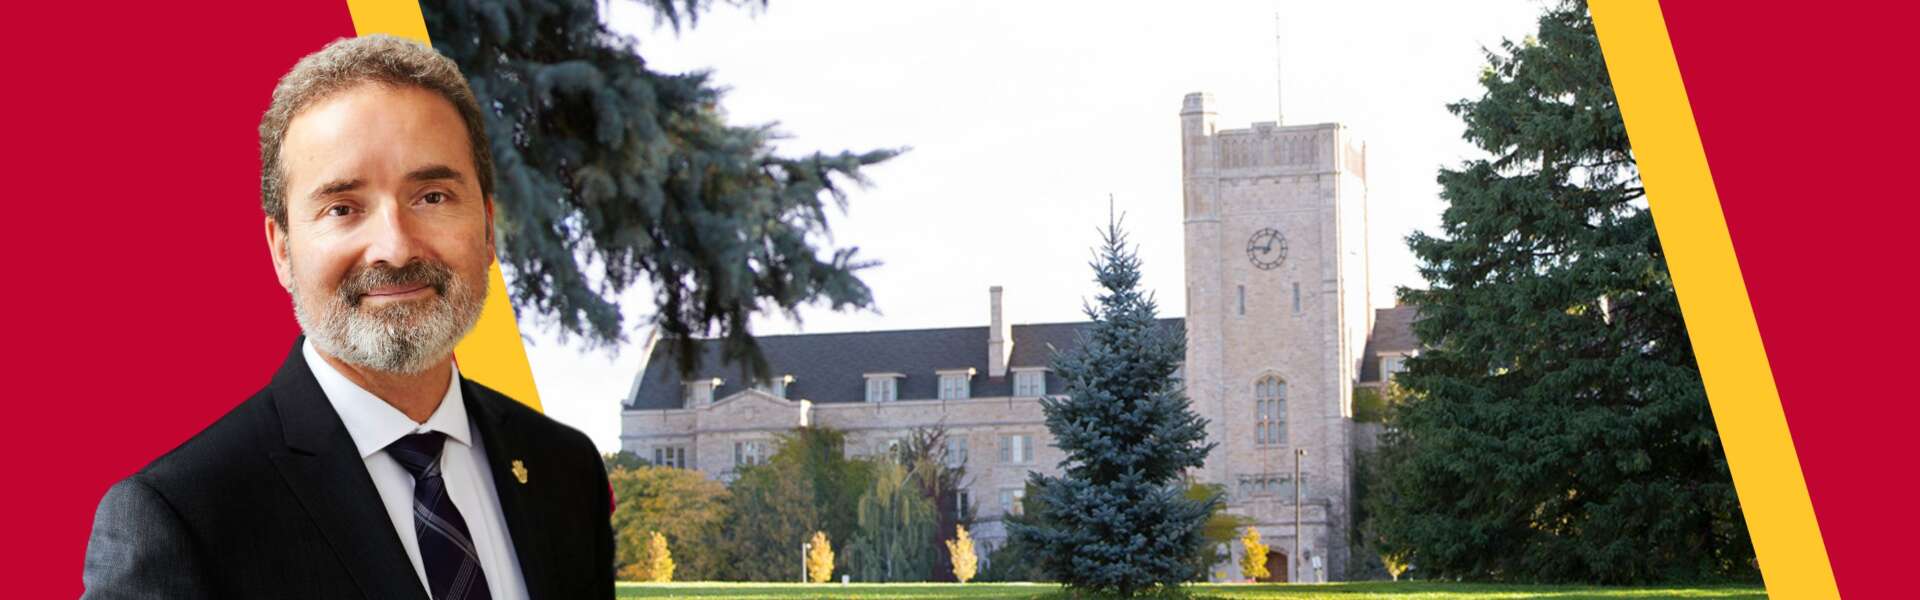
{"points": [[274, 501]]}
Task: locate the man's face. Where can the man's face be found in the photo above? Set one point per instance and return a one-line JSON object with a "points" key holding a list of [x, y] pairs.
{"points": [[388, 241]]}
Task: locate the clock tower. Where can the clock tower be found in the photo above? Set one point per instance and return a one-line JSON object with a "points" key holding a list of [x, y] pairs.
{"points": [[1277, 318]]}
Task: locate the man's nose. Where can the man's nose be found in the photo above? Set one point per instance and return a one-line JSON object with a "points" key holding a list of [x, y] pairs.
{"points": [[391, 236]]}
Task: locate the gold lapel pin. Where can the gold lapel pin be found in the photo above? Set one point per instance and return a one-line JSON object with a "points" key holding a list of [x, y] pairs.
{"points": [[520, 472]]}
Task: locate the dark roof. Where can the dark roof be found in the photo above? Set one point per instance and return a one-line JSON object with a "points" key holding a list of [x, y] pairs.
{"points": [[1392, 332], [831, 367]]}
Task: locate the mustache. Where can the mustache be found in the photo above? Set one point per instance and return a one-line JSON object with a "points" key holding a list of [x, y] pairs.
{"points": [[358, 283]]}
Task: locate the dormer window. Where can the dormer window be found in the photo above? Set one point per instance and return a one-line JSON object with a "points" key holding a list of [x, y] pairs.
{"points": [[956, 384], [883, 387], [1392, 364], [1030, 382], [700, 392], [777, 387]]}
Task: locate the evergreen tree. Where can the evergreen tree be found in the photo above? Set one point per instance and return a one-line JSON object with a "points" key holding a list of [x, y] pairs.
{"points": [[1118, 519], [610, 175], [1556, 427], [893, 542]]}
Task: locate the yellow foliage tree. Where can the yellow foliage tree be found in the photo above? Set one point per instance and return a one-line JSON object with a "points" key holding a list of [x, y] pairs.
{"points": [[820, 558], [1254, 564], [965, 563], [660, 561], [1396, 563]]}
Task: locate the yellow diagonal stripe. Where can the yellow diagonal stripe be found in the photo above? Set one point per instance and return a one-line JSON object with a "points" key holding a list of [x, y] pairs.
{"points": [[1713, 297], [391, 17], [492, 353]]}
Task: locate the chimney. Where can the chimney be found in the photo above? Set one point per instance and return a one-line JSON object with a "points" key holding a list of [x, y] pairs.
{"points": [[999, 338]]}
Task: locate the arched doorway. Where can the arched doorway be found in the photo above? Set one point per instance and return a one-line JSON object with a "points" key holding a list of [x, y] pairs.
{"points": [[1276, 567]]}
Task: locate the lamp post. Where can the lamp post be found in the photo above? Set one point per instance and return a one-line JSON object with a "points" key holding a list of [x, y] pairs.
{"points": [[805, 547], [1298, 455]]}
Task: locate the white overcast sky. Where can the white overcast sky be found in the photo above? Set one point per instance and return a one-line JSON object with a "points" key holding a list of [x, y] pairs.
{"points": [[1022, 119]]}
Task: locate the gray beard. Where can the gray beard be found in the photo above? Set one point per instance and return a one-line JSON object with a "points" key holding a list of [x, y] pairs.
{"points": [[403, 338]]}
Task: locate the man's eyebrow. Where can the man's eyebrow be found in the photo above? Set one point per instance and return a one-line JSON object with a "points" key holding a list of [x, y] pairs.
{"points": [[436, 172], [337, 187]]}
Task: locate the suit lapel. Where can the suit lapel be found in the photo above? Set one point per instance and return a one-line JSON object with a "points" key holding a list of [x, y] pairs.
{"points": [[325, 471], [505, 443]]}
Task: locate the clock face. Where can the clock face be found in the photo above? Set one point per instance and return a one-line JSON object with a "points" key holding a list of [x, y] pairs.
{"points": [[1267, 249]]}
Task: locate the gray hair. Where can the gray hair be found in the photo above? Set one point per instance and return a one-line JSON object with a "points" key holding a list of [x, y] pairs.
{"points": [[350, 62]]}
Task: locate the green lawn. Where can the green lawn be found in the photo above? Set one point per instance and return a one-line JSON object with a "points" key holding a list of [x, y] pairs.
{"points": [[1333, 591]]}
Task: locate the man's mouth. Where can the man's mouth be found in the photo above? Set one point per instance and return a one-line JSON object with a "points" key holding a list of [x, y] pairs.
{"points": [[399, 292]]}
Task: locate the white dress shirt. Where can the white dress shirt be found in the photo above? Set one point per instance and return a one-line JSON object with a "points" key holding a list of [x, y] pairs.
{"points": [[374, 424]]}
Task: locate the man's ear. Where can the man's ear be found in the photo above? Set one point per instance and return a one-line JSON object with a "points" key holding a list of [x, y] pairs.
{"points": [[490, 249], [277, 248]]}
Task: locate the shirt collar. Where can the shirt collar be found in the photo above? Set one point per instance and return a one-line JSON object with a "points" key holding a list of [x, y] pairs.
{"points": [[372, 422]]}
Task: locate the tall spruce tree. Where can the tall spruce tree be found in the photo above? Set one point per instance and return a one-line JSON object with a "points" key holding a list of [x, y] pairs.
{"points": [[612, 175], [1118, 520], [1556, 427]]}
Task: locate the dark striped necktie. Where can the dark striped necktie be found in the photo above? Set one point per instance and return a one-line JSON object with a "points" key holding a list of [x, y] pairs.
{"points": [[446, 547]]}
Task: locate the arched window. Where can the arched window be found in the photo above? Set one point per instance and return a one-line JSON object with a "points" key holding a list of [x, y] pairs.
{"points": [[1270, 411]]}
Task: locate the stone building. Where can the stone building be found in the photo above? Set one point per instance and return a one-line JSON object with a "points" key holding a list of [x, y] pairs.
{"points": [[1278, 331]]}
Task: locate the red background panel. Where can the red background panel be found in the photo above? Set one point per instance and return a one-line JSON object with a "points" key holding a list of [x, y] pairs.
{"points": [[140, 300], [141, 304], [1808, 120]]}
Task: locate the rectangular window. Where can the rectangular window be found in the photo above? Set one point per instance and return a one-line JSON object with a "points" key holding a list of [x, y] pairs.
{"points": [[1029, 383], [1270, 412], [678, 458], [1267, 430], [960, 503], [670, 456], [749, 453], [956, 452], [953, 386], [1390, 365], [881, 389], [1010, 501], [1016, 449]]}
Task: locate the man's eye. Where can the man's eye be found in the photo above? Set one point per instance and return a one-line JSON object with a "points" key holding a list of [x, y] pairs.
{"points": [[434, 197], [339, 210]]}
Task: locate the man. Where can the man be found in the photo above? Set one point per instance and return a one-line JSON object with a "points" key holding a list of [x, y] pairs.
{"points": [[368, 467]]}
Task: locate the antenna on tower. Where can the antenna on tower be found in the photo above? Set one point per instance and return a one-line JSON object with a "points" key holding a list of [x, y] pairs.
{"points": [[1279, 71]]}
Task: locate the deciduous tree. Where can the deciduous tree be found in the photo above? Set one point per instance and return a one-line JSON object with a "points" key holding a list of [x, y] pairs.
{"points": [[1253, 560], [960, 551]]}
